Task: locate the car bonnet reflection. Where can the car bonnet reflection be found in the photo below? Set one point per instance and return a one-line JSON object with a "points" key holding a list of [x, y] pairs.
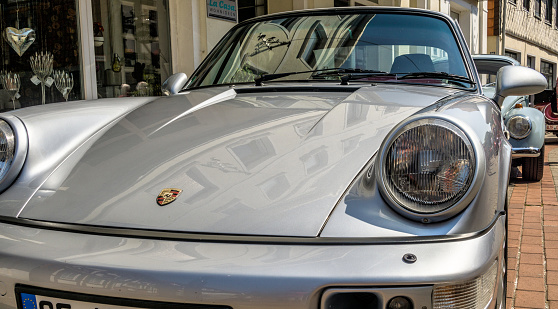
{"points": [[255, 164]]}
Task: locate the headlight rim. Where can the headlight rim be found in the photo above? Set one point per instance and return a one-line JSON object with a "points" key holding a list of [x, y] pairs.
{"points": [[20, 152], [518, 137], [461, 203]]}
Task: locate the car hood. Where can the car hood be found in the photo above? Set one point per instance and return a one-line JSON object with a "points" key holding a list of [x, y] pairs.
{"points": [[265, 163]]}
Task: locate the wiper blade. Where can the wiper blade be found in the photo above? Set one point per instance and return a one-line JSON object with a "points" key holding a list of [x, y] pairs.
{"points": [[351, 74], [266, 77], [344, 73], [441, 75]]}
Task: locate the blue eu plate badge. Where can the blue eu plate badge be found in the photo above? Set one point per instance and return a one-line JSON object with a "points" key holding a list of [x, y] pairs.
{"points": [[28, 301]]}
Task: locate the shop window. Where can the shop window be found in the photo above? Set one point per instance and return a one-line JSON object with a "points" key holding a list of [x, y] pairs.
{"points": [[548, 12], [251, 8], [45, 67], [547, 69], [132, 49], [531, 62]]}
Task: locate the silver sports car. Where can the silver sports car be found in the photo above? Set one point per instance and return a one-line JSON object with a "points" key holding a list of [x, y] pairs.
{"points": [[337, 158]]}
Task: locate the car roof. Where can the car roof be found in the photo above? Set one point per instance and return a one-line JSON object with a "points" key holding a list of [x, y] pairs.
{"points": [[510, 60], [347, 10]]}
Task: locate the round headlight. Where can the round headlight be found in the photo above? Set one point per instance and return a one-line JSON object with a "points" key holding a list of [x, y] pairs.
{"points": [[519, 126], [13, 149], [427, 166], [7, 148]]}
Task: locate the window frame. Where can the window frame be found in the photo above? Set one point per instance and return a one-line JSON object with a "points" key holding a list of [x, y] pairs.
{"points": [[527, 5], [538, 9], [551, 74], [513, 54], [548, 12]]}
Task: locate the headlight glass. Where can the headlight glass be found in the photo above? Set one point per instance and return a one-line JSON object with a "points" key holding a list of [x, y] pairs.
{"points": [[7, 148], [519, 126], [429, 166]]}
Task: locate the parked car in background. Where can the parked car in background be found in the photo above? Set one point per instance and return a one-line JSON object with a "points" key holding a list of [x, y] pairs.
{"points": [[331, 158], [525, 123], [545, 101]]}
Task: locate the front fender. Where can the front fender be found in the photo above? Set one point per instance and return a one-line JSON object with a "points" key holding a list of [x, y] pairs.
{"points": [[535, 139]]}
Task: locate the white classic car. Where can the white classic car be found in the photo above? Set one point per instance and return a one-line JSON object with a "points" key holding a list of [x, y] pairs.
{"points": [[524, 122], [333, 158]]}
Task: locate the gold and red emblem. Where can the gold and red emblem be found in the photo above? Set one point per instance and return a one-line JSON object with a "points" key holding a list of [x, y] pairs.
{"points": [[168, 196]]}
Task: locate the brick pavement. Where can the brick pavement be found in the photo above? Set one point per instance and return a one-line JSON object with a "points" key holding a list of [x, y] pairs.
{"points": [[533, 238]]}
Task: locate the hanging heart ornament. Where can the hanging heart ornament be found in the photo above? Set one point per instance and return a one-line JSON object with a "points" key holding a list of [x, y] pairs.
{"points": [[19, 39]]}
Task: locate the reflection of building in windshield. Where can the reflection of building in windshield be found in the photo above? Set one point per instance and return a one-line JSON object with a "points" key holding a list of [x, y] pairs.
{"points": [[304, 47], [298, 44]]}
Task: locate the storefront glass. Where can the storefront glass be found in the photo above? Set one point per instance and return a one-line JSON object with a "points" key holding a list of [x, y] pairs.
{"points": [[132, 49], [40, 53]]}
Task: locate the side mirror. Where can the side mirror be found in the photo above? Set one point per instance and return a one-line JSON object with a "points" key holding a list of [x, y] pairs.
{"points": [[517, 81], [174, 84]]}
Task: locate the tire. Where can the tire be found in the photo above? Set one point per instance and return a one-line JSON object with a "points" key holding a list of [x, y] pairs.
{"points": [[533, 168]]}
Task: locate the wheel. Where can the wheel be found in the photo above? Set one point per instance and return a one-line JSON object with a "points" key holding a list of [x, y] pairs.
{"points": [[533, 168]]}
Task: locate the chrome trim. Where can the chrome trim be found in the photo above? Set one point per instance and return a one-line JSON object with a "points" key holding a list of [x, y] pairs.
{"points": [[245, 239], [526, 152]]}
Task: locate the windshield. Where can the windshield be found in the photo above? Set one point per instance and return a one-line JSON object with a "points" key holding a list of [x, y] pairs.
{"points": [[390, 43]]}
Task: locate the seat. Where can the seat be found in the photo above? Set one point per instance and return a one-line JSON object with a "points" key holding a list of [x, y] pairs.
{"points": [[412, 63]]}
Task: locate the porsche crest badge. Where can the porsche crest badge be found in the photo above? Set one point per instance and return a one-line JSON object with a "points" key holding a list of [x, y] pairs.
{"points": [[168, 196]]}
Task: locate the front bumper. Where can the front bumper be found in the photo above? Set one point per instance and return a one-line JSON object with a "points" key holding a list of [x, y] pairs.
{"points": [[238, 275], [525, 152]]}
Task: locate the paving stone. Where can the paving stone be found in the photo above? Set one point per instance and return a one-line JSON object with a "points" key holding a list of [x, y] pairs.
{"points": [[552, 292], [551, 277], [530, 284], [532, 240], [530, 258], [531, 249], [530, 270], [529, 299]]}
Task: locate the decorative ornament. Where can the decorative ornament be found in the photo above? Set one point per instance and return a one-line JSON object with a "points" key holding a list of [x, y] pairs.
{"points": [[11, 84], [19, 39], [98, 41], [98, 38], [41, 64], [64, 83], [116, 67]]}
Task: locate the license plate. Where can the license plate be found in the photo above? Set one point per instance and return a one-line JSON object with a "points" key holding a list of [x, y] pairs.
{"points": [[33, 301], [39, 298], [551, 127]]}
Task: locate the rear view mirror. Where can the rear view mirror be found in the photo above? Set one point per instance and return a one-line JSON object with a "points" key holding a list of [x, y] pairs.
{"points": [[517, 81], [174, 84]]}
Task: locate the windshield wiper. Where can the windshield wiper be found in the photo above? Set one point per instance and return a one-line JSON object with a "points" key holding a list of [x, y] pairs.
{"points": [[456, 79], [351, 74], [346, 74], [266, 77]]}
